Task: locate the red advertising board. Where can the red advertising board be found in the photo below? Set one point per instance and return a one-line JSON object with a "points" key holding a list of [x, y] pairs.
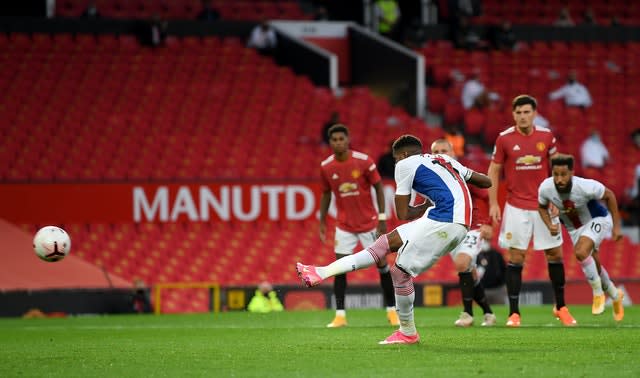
{"points": [[163, 202]]}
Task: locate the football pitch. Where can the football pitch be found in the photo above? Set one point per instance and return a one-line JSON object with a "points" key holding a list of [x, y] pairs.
{"points": [[297, 344]]}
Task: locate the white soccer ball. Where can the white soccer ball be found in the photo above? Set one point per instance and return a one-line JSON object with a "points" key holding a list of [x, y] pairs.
{"points": [[51, 243]]}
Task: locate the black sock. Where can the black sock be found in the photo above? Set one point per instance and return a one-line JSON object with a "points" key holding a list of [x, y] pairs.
{"points": [[466, 287], [339, 289], [387, 287], [556, 274], [481, 299], [514, 283]]}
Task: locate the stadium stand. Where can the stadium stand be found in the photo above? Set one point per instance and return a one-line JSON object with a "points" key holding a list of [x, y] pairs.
{"points": [[253, 10], [608, 70], [546, 12], [190, 111], [109, 96]]}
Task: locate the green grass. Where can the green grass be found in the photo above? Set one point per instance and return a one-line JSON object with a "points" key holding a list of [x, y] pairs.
{"points": [[283, 344]]}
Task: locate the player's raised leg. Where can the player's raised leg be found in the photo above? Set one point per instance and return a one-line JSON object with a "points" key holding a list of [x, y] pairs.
{"points": [[313, 275]]}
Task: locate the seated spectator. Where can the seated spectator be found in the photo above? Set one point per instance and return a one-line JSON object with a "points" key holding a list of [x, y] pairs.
{"points": [[474, 93], [91, 11], [321, 14], [574, 93], [265, 300], [387, 14], [154, 32], [588, 17], [634, 191], [564, 18], [141, 301], [540, 120], [593, 153], [263, 38], [464, 36], [615, 21], [208, 12], [503, 37]]}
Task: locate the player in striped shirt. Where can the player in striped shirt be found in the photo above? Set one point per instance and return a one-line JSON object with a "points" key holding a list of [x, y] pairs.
{"points": [[432, 233], [588, 223]]}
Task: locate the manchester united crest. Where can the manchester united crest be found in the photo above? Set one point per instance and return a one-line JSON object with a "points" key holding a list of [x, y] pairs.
{"points": [[540, 146], [355, 173]]}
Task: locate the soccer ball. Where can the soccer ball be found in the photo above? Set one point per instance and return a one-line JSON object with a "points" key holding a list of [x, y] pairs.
{"points": [[51, 243]]}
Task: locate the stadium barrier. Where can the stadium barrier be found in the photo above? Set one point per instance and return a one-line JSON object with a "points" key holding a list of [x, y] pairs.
{"points": [[66, 301], [213, 290], [295, 298]]}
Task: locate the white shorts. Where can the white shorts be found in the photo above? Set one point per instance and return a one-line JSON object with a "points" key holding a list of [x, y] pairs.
{"points": [[597, 229], [471, 245], [425, 241], [518, 226], [345, 242]]}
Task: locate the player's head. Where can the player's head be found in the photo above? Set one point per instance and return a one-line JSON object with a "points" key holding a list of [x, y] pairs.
{"points": [[406, 146], [524, 111], [522, 100], [442, 146], [562, 172], [338, 138]]}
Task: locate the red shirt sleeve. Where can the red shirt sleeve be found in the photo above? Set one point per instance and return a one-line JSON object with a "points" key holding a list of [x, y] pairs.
{"points": [[371, 171], [498, 151], [552, 145]]}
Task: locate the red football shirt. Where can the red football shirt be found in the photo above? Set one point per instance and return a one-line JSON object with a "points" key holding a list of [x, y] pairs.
{"points": [[525, 160], [480, 199], [351, 181]]}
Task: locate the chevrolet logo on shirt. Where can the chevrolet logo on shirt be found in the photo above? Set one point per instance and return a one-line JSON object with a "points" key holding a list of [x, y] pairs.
{"points": [[529, 159], [348, 187]]}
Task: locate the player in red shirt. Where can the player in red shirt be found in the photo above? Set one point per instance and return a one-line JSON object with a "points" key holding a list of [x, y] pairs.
{"points": [[465, 254], [524, 151], [349, 175]]}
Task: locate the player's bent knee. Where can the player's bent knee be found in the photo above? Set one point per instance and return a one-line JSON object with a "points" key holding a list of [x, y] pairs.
{"points": [[400, 278], [463, 263], [582, 253]]}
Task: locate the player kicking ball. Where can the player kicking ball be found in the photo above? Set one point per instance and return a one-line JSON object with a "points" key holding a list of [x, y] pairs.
{"points": [[588, 223], [432, 233]]}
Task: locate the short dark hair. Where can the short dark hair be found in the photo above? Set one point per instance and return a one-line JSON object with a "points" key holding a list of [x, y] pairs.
{"points": [[407, 140], [524, 100], [338, 128], [560, 160]]}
